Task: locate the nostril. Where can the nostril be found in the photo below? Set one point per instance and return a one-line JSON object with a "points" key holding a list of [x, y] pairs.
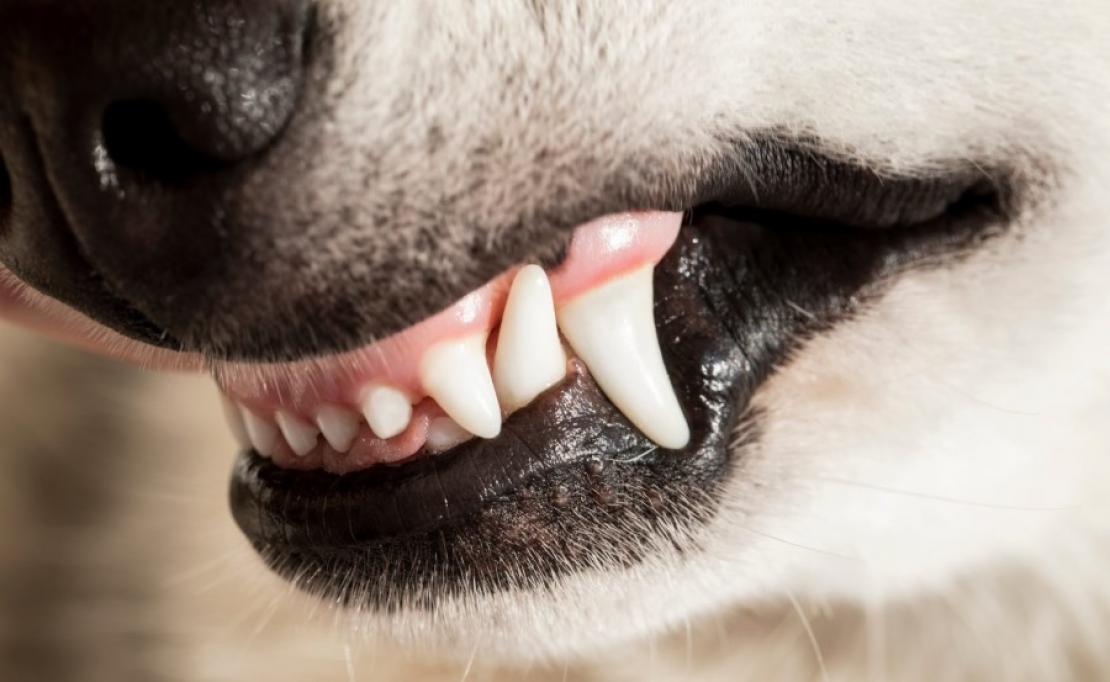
{"points": [[140, 137]]}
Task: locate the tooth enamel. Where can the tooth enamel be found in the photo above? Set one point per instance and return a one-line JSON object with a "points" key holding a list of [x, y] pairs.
{"points": [[261, 433], [444, 434], [455, 374], [612, 329], [529, 357], [387, 410], [338, 425], [235, 421], [300, 435]]}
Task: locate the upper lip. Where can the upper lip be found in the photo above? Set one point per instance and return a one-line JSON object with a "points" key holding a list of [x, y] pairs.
{"points": [[601, 295]]}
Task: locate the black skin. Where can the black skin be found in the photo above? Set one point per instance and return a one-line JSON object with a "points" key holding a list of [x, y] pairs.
{"points": [[570, 479]]}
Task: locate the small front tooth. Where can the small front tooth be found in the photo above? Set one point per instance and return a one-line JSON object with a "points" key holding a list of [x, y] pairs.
{"points": [[235, 421], [300, 435], [261, 433], [455, 374], [612, 329], [339, 426], [529, 357], [387, 410], [444, 434]]}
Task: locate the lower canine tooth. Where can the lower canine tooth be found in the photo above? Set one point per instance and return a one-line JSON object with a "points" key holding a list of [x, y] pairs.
{"points": [[455, 374], [529, 357], [387, 410], [444, 434], [339, 426], [300, 435], [612, 329], [262, 434]]}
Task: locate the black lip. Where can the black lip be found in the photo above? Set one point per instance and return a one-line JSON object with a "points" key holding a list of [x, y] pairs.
{"points": [[570, 478]]}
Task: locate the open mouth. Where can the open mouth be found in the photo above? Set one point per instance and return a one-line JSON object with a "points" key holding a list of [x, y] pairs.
{"points": [[460, 373], [588, 410]]}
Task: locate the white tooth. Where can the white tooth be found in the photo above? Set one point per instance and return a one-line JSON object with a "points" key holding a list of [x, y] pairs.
{"points": [[235, 421], [455, 374], [300, 435], [339, 426], [261, 433], [444, 434], [529, 357], [612, 329], [387, 410]]}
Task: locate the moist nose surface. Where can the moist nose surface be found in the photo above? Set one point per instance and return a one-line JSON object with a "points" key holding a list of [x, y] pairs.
{"points": [[122, 122]]}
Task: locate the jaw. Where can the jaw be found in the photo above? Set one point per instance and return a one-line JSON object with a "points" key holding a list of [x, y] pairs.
{"points": [[496, 517], [857, 487]]}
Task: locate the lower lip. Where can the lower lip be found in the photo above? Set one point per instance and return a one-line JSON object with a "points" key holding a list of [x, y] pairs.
{"points": [[318, 511]]}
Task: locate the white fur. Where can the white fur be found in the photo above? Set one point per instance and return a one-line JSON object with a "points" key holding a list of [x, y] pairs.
{"points": [[957, 427], [927, 498]]}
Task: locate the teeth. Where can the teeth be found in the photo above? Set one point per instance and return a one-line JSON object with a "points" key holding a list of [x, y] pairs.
{"points": [[261, 433], [456, 376], [235, 421], [301, 436], [529, 357], [387, 410], [339, 426], [612, 329], [444, 434]]}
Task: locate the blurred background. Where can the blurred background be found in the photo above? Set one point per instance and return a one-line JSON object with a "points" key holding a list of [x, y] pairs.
{"points": [[119, 560]]}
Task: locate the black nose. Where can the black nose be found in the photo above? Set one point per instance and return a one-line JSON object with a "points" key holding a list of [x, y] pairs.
{"points": [[122, 123]]}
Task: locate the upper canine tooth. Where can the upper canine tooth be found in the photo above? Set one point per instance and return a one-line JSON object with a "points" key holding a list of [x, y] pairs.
{"points": [[300, 435], [612, 329], [339, 426], [235, 421], [387, 410], [529, 357], [455, 374], [261, 433]]}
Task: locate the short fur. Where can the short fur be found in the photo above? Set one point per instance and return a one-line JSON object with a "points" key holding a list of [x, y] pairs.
{"points": [[926, 498]]}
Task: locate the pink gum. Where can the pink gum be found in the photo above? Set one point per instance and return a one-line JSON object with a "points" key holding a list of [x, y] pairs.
{"points": [[599, 250]]}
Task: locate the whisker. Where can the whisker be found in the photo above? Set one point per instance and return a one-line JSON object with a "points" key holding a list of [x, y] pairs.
{"points": [[470, 662], [943, 498], [809, 633], [799, 545]]}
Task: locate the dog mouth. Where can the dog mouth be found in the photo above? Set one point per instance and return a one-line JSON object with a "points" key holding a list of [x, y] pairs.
{"points": [[578, 416], [590, 410]]}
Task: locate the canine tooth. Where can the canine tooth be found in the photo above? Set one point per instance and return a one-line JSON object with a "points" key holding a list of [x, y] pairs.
{"points": [[261, 433], [612, 329], [455, 374], [529, 357], [235, 421], [300, 435], [387, 410], [444, 434], [339, 426]]}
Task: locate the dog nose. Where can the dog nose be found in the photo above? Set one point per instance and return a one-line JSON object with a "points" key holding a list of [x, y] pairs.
{"points": [[122, 124]]}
